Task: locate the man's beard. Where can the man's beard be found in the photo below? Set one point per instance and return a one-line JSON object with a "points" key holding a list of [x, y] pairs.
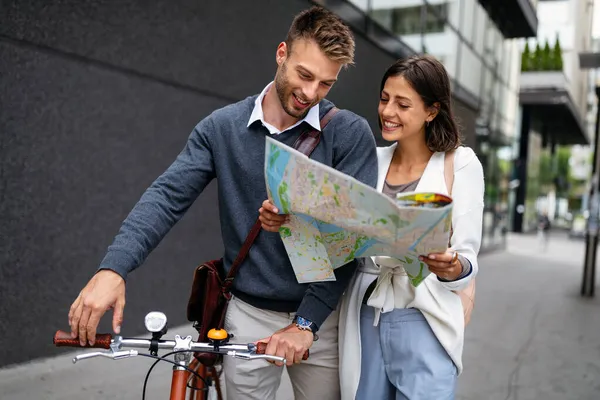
{"points": [[284, 94]]}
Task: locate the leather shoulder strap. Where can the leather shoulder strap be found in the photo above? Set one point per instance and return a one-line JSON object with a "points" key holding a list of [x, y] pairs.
{"points": [[306, 144], [449, 178], [449, 170], [309, 139]]}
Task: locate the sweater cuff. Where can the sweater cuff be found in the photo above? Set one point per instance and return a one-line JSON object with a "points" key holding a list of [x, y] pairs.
{"points": [[119, 262], [313, 310]]}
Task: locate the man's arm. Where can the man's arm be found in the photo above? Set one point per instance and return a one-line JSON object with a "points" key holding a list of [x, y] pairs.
{"points": [[160, 207], [354, 155], [163, 203]]}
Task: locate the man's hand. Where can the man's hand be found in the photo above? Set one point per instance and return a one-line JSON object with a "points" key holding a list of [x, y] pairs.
{"points": [[445, 265], [105, 290], [270, 219], [290, 343]]}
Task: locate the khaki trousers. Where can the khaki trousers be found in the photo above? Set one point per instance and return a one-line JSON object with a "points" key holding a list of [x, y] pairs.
{"points": [[315, 378]]}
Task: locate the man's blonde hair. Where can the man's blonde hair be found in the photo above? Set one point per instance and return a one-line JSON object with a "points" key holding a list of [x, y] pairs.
{"points": [[332, 36]]}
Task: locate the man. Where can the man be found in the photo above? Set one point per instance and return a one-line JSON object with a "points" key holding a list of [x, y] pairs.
{"points": [[229, 145]]}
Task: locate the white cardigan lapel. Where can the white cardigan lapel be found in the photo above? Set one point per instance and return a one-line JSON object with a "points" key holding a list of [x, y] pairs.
{"points": [[384, 159], [432, 179]]}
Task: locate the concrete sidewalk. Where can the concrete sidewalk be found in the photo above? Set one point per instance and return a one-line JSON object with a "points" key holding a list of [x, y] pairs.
{"points": [[531, 337]]}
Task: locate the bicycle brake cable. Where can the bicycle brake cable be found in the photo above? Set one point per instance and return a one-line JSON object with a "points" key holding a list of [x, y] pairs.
{"points": [[163, 358]]}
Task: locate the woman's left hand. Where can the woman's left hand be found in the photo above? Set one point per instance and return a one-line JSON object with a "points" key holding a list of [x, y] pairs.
{"points": [[445, 265]]}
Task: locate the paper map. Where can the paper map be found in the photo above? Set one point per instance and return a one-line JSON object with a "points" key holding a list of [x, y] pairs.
{"points": [[334, 218]]}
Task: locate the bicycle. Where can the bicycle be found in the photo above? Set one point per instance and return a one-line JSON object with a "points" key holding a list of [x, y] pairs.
{"points": [[189, 376]]}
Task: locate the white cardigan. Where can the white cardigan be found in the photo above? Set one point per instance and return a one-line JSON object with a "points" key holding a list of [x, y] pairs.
{"points": [[441, 307]]}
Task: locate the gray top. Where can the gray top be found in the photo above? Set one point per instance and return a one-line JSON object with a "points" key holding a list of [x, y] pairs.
{"points": [[224, 147], [393, 190]]}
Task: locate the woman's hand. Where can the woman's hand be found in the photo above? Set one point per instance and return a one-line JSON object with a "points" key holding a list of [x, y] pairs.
{"points": [[270, 219], [445, 265]]}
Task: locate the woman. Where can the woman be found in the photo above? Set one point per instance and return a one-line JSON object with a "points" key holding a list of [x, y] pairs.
{"points": [[409, 340]]}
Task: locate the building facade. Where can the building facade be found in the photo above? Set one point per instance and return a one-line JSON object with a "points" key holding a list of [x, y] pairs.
{"points": [[481, 53], [554, 103], [98, 99]]}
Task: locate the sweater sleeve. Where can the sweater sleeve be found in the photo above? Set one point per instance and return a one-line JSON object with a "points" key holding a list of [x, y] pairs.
{"points": [[356, 155], [163, 203]]}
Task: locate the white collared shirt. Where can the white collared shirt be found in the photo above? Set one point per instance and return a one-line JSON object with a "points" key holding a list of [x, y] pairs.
{"points": [[312, 117]]}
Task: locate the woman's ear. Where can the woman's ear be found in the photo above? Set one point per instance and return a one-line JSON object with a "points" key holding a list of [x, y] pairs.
{"points": [[433, 111]]}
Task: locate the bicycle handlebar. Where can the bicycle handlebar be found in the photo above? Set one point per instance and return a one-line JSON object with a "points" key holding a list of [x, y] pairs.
{"points": [[64, 339], [106, 341]]}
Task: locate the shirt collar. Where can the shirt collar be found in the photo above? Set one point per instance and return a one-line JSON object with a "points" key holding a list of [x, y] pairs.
{"points": [[312, 117]]}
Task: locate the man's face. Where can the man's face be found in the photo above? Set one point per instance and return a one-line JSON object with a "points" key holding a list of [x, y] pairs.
{"points": [[304, 76]]}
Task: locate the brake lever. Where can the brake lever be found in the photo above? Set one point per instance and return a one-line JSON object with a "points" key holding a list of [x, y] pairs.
{"points": [[268, 358], [254, 356], [114, 355]]}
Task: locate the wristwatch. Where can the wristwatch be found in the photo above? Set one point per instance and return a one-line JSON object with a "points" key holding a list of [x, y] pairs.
{"points": [[306, 325]]}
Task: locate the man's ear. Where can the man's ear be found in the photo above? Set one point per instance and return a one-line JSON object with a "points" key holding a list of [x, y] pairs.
{"points": [[282, 53]]}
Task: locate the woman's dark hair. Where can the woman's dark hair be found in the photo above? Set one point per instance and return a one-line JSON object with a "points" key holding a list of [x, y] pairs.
{"points": [[429, 79]]}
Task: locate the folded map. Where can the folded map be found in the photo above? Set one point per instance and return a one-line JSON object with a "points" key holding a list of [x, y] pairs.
{"points": [[335, 218]]}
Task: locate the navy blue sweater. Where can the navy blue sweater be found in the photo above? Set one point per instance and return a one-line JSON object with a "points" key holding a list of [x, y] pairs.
{"points": [[222, 146]]}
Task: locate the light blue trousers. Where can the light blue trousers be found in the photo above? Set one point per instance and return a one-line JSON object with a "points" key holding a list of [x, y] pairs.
{"points": [[402, 359]]}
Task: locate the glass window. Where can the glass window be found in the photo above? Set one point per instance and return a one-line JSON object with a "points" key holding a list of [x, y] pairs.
{"points": [[491, 42], [361, 4], [466, 14], [480, 21], [488, 88], [444, 47], [498, 47], [515, 66], [412, 20], [435, 17], [497, 94], [383, 18], [501, 102], [470, 70], [454, 7]]}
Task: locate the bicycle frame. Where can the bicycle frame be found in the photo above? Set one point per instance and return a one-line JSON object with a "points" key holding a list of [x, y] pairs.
{"points": [[183, 382], [178, 387]]}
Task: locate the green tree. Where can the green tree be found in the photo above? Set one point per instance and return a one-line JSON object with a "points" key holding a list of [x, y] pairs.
{"points": [[536, 62], [546, 174], [556, 171], [547, 58], [557, 56], [563, 171], [526, 58]]}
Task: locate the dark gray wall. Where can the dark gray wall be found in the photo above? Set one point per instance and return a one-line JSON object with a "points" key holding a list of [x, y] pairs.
{"points": [[96, 99]]}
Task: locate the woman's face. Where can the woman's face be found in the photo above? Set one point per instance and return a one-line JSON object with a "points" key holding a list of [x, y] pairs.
{"points": [[402, 112]]}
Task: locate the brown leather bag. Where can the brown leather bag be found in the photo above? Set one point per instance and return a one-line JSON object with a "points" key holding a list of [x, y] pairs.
{"points": [[467, 295], [211, 289]]}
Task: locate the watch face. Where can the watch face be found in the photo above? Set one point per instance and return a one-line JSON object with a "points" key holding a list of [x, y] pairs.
{"points": [[303, 322]]}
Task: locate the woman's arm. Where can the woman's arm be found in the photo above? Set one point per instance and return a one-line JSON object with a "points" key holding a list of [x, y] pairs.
{"points": [[467, 215]]}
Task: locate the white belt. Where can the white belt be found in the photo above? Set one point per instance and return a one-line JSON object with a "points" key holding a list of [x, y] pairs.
{"points": [[383, 299]]}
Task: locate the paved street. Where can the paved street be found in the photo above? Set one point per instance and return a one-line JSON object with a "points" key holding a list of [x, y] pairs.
{"points": [[531, 337]]}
